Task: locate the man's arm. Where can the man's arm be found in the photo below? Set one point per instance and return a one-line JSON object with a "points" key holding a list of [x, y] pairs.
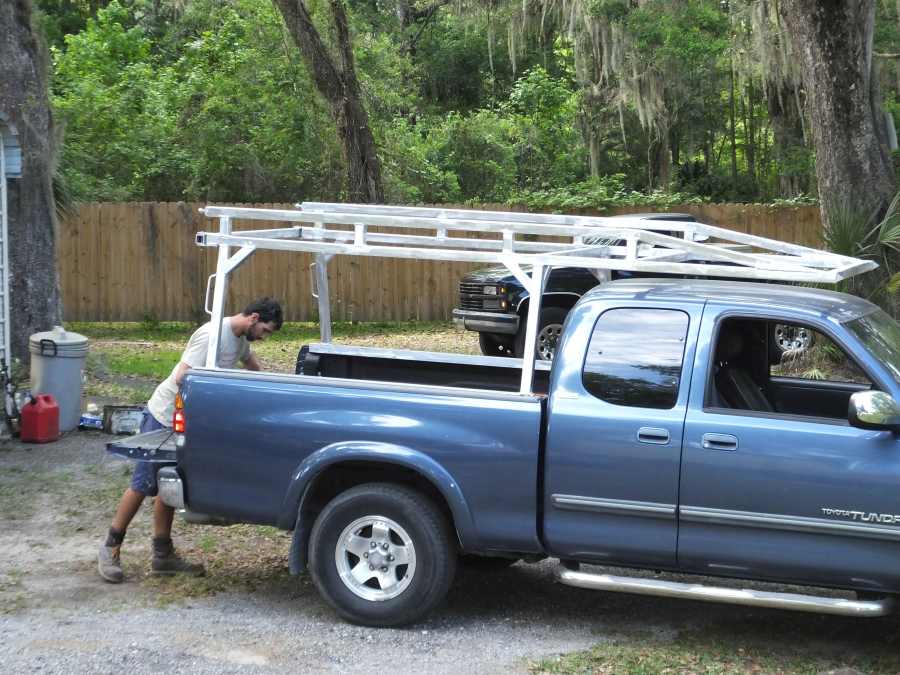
{"points": [[181, 371], [251, 362]]}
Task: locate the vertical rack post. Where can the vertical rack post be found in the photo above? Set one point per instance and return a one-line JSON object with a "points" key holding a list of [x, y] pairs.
{"points": [[323, 297], [539, 274], [219, 293]]}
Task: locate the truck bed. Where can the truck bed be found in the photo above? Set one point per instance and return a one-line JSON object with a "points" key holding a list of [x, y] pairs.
{"points": [[250, 436], [417, 367]]}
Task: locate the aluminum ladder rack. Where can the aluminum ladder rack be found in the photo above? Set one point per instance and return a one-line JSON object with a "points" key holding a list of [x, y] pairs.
{"points": [[519, 241]]}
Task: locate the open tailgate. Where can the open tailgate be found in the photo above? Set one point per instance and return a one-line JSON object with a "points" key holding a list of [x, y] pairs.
{"points": [[153, 446]]}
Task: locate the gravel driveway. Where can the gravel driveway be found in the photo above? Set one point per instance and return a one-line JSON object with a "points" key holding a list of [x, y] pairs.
{"points": [[249, 615]]}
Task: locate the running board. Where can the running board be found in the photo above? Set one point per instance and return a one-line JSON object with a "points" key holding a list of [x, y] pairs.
{"points": [[672, 589]]}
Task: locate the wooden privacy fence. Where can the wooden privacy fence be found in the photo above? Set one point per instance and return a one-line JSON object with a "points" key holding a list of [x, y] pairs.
{"points": [[136, 261]]}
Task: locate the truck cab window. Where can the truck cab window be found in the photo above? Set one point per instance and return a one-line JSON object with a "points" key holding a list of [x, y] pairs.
{"points": [[812, 356], [635, 357], [782, 368]]}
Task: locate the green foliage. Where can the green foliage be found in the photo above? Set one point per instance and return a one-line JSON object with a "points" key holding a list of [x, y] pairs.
{"points": [[210, 100], [871, 236], [59, 18], [611, 10], [548, 146], [600, 194], [455, 66], [479, 149], [213, 115], [412, 173], [799, 200], [689, 35]]}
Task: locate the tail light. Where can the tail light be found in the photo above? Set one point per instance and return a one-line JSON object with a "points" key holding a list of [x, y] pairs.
{"points": [[178, 418]]}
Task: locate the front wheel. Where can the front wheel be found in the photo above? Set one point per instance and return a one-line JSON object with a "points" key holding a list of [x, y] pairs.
{"points": [[492, 344], [550, 325], [789, 341], [382, 555]]}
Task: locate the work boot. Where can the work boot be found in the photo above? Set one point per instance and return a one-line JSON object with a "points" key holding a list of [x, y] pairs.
{"points": [[108, 564], [166, 561]]}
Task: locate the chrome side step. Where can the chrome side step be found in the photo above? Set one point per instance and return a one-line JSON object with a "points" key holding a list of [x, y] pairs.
{"points": [[673, 589]]}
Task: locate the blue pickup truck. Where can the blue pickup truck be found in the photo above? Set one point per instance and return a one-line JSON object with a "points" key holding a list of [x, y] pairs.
{"points": [[664, 436]]}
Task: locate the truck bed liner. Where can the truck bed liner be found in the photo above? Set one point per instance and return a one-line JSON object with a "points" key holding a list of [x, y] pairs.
{"points": [[418, 367]]}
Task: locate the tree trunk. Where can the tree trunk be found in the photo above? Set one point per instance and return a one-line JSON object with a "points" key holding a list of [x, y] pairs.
{"points": [[661, 155], [731, 114], [750, 131], [787, 129], [833, 41], [34, 281], [340, 87]]}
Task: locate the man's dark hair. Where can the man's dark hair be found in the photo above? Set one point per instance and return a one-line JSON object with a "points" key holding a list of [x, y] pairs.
{"points": [[268, 310]]}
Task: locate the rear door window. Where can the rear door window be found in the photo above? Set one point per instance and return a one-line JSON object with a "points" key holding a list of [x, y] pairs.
{"points": [[635, 357]]}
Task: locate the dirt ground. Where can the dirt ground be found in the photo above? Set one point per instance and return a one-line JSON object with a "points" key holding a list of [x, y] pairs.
{"points": [[249, 615]]}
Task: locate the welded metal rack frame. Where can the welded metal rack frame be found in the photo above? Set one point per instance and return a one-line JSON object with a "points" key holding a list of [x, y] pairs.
{"points": [[597, 243]]}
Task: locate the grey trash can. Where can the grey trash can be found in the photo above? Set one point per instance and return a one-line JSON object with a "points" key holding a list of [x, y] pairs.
{"points": [[57, 366]]}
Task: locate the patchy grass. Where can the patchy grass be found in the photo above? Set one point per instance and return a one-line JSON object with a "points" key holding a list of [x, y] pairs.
{"points": [[241, 558], [305, 331], [153, 363], [781, 645]]}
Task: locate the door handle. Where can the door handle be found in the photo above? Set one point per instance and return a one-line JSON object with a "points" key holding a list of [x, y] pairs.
{"points": [[653, 435], [720, 442]]}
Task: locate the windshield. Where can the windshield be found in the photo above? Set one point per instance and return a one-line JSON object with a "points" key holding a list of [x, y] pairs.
{"points": [[881, 336]]}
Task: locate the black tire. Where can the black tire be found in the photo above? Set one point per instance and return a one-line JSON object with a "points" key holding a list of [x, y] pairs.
{"points": [[432, 540], [492, 344], [550, 318]]}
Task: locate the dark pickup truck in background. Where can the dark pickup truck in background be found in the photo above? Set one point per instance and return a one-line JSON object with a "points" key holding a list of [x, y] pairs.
{"points": [[494, 303]]}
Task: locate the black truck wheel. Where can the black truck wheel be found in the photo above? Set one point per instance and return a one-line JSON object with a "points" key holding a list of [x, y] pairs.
{"points": [[787, 338], [382, 555], [550, 324], [492, 344]]}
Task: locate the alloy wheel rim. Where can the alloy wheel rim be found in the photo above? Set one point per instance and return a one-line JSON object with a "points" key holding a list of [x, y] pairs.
{"points": [[547, 341], [792, 338], [375, 558]]}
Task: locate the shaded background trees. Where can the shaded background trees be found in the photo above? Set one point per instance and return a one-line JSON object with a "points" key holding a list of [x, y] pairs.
{"points": [[559, 104]]}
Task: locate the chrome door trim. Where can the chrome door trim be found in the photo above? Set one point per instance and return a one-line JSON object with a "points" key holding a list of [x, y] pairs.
{"points": [[697, 514], [617, 506]]}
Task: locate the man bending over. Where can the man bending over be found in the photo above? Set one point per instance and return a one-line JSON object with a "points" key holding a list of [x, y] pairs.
{"points": [[260, 319]]}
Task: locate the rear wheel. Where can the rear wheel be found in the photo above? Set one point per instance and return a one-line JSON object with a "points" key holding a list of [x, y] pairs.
{"points": [[550, 324], [382, 555]]}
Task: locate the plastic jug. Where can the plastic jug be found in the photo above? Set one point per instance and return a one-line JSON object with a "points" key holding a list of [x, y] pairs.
{"points": [[40, 420]]}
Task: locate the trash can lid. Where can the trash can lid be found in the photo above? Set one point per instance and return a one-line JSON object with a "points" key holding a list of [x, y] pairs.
{"points": [[58, 342]]}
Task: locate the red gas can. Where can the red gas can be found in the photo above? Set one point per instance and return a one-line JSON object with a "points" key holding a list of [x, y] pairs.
{"points": [[40, 420]]}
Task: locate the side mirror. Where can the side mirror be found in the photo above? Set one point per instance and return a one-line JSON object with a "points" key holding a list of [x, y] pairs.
{"points": [[874, 410]]}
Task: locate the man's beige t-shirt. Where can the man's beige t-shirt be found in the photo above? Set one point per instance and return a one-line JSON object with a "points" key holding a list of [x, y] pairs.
{"points": [[231, 350]]}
